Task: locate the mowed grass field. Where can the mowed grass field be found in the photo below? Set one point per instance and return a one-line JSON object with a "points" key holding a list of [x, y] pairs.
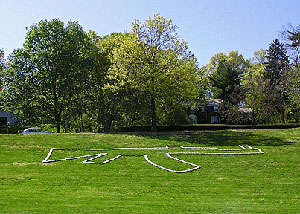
{"points": [[267, 183]]}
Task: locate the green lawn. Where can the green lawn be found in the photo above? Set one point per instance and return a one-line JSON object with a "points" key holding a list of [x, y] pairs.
{"points": [[268, 183]]}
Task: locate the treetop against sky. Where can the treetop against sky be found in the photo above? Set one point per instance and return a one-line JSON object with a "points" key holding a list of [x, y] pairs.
{"points": [[207, 26]]}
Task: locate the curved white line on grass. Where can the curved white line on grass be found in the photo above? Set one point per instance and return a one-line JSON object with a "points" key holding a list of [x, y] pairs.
{"points": [[171, 170], [169, 155]]}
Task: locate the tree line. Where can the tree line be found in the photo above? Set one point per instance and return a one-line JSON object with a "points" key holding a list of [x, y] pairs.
{"points": [[80, 81], [77, 80], [267, 84]]}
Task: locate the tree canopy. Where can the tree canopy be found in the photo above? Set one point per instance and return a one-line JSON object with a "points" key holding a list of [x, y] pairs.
{"points": [[225, 76], [151, 62], [47, 78]]}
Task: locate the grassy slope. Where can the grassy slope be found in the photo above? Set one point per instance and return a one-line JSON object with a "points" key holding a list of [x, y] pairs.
{"points": [[266, 183]]}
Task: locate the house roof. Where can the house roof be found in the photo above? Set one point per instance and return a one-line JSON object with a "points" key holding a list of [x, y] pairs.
{"points": [[245, 110], [214, 102]]}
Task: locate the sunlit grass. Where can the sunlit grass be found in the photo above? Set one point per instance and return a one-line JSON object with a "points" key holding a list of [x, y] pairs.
{"points": [[267, 183]]}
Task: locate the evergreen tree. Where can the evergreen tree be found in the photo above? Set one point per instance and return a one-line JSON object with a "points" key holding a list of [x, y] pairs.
{"points": [[224, 81], [276, 63], [275, 69], [225, 77]]}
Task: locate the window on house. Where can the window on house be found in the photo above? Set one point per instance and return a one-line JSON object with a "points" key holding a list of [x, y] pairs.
{"points": [[214, 119], [216, 108], [193, 118], [3, 121]]}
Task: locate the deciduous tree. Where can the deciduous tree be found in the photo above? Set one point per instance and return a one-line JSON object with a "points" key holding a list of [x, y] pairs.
{"points": [[2, 65], [155, 65], [258, 95], [49, 75]]}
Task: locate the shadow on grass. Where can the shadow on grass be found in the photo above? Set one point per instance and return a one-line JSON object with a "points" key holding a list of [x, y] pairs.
{"points": [[218, 138]]}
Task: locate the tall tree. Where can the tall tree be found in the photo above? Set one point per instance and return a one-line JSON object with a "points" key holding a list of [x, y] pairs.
{"points": [[155, 65], [291, 39], [2, 62], [292, 85], [47, 77], [124, 103], [225, 81], [294, 38], [2, 65], [225, 72], [276, 65], [225, 76], [259, 97], [276, 62], [169, 66]]}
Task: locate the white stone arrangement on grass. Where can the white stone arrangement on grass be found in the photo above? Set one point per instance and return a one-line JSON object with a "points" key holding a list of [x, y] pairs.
{"points": [[91, 158]]}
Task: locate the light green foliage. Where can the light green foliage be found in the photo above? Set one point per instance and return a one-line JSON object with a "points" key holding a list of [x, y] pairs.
{"points": [[259, 56], [170, 72], [292, 83], [122, 104], [78, 80], [257, 94], [152, 64]]}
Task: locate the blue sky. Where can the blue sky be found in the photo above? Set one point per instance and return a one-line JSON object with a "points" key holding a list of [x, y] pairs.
{"points": [[208, 26]]}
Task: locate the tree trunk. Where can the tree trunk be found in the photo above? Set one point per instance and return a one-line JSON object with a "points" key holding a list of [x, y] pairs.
{"points": [[153, 111], [57, 112], [57, 116], [58, 126], [254, 122], [99, 120], [282, 116]]}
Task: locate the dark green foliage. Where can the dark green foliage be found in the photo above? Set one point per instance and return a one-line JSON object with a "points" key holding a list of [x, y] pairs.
{"points": [[211, 127], [276, 62], [276, 66], [225, 81], [49, 78], [225, 84], [225, 76]]}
